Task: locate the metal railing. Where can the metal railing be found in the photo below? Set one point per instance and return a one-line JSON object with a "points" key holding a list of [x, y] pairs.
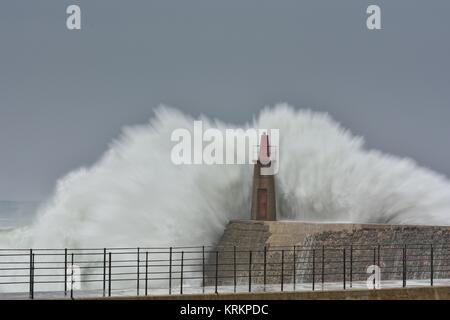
{"points": [[180, 270]]}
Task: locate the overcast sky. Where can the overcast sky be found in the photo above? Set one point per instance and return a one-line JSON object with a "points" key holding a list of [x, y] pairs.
{"points": [[64, 95]]}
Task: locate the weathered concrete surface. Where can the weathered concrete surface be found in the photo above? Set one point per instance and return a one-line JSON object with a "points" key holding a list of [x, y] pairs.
{"points": [[423, 293]]}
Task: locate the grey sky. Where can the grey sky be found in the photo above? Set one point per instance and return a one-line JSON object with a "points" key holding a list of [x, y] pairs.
{"points": [[64, 95]]}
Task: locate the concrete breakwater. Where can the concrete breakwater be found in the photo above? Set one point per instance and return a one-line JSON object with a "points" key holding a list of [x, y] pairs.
{"points": [[302, 252]]}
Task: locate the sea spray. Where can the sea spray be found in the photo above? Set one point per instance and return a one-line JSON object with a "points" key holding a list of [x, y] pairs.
{"points": [[136, 196]]}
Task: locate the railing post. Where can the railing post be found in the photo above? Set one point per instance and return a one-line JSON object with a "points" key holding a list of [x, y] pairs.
{"points": [[282, 270], [104, 271], [404, 265], [351, 266], [295, 270], [65, 272], [146, 272], [217, 270], [374, 263], [265, 267], [313, 268], [378, 255], [343, 271], [181, 274], [323, 266], [71, 276], [431, 265], [110, 275], [379, 263], [203, 269], [138, 271], [170, 270], [234, 268], [31, 280], [250, 271]]}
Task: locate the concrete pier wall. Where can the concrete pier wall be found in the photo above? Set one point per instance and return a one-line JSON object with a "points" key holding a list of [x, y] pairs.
{"points": [[425, 293], [306, 252]]}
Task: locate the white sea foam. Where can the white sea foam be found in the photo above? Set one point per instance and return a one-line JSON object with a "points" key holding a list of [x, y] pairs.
{"points": [[135, 196]]}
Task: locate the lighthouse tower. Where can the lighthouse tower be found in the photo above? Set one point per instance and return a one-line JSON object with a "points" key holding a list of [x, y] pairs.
{"points": [[263, 194]]}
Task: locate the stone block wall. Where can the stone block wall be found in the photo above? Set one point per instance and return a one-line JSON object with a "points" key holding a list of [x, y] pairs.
{"points": [[271, 252]]}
